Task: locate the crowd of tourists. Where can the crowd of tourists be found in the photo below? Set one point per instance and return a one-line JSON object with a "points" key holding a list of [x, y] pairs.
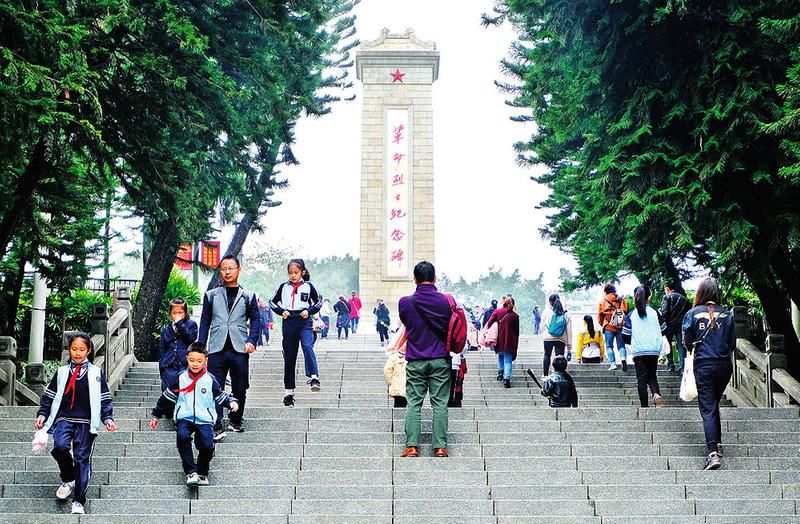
{"points": [[426, 358]]}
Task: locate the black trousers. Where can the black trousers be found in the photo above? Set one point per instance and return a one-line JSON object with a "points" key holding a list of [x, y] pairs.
{"points": [[238, 365], [383, 331], [549, 346], [646, 367], [712, 377]]}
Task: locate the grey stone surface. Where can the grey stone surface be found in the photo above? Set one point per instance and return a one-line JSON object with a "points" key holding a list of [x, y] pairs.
{"points": [[28, 518], [724, 477], [227, 518], [637, 491], [342, 463], [344, 492], [745, 507], [131, 519], [549, 520], [556, 508], [622, 463], [343, 519], [40, 491], [629, 478], [251, 506], [239, 491], [735, 491], [431, 478], [429, 463], [541, 492], [149, 506], [440, 492], [530, 464], [526, 478], [643, 507], [342, 507], [463, 508], [378, 477]]}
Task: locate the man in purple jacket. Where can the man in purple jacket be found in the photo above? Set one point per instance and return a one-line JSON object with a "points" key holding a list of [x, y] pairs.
{"points": [[426, 316]]}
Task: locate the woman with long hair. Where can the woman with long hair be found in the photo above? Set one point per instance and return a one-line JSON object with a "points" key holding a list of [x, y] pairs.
{"points": [[642, 331], [507, 339], [557, 331], [709, 335], [591, 346]]}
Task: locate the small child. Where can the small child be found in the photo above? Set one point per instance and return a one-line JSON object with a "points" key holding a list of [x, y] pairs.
{"points": [[175, 339], [297, 301], [458, 369], [394, 371], [559, 387], [193, 396], [73, 406]]}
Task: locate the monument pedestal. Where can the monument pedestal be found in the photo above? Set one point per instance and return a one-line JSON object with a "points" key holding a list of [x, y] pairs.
{"points": [[397, 71]]}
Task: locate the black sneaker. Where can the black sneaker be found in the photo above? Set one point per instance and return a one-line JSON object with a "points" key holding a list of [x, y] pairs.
{"points": [[315, 385], [219, 434], [624, 365], [506, 383], [714, 461], [288, 401], [236, 428], [499, 375]]}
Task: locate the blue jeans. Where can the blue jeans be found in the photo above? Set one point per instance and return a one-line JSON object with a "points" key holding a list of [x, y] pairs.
{"points": [[678, 336], [610, 337], [504, 364], [353, 324]]}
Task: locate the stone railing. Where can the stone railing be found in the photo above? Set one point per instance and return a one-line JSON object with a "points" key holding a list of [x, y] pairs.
{"points": [[113, 351], [112, 337], [760, 377], [12, 391]]}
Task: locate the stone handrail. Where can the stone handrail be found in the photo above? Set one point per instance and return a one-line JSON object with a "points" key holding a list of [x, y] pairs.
{"points": [[113, 351], [112, 337], [760, 377]]}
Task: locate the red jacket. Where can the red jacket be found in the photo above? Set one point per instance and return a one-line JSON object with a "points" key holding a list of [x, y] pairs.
{"points": [[507, 330]]}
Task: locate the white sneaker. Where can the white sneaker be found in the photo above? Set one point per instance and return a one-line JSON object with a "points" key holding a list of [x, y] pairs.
{"points": [[202, 480], [612, 367], [77, 508], [192, 479], [65, 490]]}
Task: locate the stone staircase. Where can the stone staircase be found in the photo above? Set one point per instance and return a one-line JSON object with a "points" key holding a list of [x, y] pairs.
{"points": [[335, 456]]}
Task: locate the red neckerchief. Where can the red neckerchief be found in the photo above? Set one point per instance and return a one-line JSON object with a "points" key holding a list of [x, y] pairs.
{"points": [[191, 386], [72, 382], [294, 289]]}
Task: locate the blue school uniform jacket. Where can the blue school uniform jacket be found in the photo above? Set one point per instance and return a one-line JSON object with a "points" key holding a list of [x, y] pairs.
{"points": [[175, 343], [92, 398], [198, 406]]}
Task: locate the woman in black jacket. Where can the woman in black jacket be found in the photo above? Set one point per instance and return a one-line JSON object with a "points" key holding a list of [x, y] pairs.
{"points": [[382, 321], [342, 310], [709, 335]]}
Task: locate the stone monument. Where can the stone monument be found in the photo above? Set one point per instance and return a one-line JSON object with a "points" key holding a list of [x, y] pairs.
{"points": [[397, 72]]}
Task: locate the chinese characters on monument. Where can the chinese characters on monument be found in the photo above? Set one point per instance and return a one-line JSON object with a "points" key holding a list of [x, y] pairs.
{"points": [[398, 233]]}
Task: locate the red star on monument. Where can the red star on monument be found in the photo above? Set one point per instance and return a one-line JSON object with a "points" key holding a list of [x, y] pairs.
{"points": [[397, 76]]}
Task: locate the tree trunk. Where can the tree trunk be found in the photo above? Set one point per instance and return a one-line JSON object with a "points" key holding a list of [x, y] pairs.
{"points": [[775, 302], [673, 275], [235, 247], [12, 288], [33, 175], [151, 291]]}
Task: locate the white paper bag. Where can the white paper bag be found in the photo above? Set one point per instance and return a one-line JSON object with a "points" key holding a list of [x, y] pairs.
{"points": [[688, 385]]}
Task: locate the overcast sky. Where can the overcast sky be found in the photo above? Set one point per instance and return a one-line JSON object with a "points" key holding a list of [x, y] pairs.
{"points": [[485, 204]]}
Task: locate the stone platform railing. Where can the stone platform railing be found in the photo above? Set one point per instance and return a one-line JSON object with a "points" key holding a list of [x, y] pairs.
{"points": [[112, 337], [760, 377]]}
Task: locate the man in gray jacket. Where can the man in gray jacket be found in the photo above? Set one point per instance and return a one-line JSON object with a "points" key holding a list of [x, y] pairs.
{"points": [[230, 327]]}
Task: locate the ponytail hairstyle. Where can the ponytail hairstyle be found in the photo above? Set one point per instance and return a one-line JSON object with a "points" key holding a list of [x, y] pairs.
{"points": [[589, 325], [555, 303], [708, 295], [302, 266], [640, 297]]}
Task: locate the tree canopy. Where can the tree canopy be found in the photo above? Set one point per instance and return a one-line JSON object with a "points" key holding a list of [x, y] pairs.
{"points": [[669, 129]]}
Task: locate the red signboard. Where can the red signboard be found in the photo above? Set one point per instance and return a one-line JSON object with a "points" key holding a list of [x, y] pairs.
{"points": [[210, 253], [183, 259]]}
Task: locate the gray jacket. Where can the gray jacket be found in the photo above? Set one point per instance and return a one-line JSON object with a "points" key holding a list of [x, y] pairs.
{"points": [[242, 323]]}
